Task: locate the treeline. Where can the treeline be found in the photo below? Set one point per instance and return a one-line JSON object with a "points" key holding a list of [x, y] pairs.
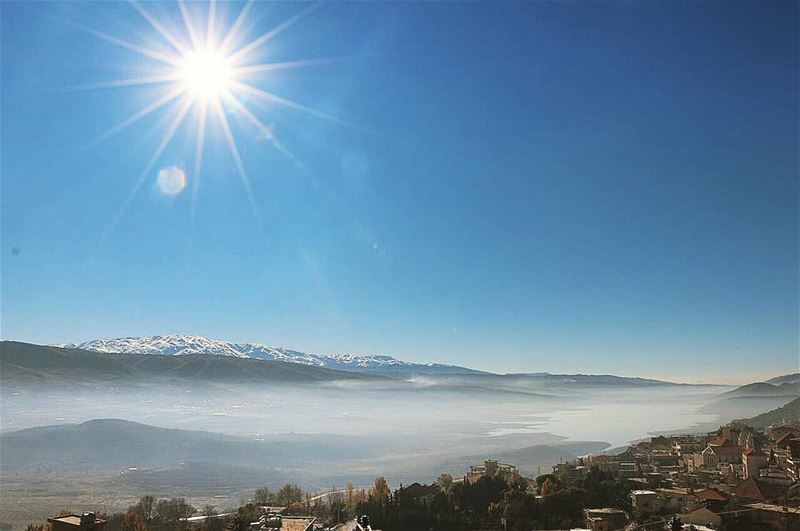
{"points": [[492, 502], [151, 514], [512, 503], [337, 506], [148, 514]]}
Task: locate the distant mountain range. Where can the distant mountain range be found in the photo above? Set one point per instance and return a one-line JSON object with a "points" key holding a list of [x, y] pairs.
{"points": [[26, 363], [181, 357], [588, 379], [180, 345]]}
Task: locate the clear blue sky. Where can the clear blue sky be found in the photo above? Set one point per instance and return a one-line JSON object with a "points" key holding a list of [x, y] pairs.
{"points": [[564, 187]]}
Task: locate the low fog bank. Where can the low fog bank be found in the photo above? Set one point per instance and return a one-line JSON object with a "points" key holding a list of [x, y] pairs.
{"points": [[335, 431], [432, 415]]}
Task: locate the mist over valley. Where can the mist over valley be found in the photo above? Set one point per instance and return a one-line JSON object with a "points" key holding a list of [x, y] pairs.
{"points": [[85, 424]]}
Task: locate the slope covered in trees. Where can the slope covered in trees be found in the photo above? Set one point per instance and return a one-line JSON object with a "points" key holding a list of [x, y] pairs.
{"points": [[784, 414], [109, 443]]}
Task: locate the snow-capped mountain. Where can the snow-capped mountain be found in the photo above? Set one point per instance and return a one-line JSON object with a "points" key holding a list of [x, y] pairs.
{"points": [[175, 345]]}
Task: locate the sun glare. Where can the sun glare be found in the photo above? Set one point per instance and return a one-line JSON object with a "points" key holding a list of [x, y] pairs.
{"points": [[205, 73], [209, 70]]}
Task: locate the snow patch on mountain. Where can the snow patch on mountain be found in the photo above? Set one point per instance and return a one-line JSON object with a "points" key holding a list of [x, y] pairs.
{"points": [[177, 345]]}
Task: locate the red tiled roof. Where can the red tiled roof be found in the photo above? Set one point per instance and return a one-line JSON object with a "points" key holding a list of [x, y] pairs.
{"points": [[752, 451], [749, 489], [720, 441], [727, 450], [710, 494]]}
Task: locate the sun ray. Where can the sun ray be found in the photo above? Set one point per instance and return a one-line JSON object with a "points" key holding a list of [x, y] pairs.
{"points": [[266, 67], [128, 82], [158, 56], [169, 96], [271, 34], [226, 129], [212, 14], [269, 96], [176, 122], [198, 156], [234, 29], [266, 132], [158, 27], [187, 21]]}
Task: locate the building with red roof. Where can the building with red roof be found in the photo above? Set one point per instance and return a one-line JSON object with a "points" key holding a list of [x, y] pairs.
{"points": [[754, 490]]}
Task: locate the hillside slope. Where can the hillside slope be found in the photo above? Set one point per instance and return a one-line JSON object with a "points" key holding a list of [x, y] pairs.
{"points": [[111, 443], [786, 378], [784, 414], [764, 389]]}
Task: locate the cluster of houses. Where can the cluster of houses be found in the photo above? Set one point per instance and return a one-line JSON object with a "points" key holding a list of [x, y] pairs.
{"points": [[737, 474], [270, 519]]}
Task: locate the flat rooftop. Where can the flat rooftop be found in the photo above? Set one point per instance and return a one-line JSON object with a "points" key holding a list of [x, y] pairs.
{"points": [[296, 523], [74, 519], [70, 519], [605, 510]]}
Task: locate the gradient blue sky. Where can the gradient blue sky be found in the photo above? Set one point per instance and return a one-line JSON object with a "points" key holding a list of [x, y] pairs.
{"points": [[564, 187]]}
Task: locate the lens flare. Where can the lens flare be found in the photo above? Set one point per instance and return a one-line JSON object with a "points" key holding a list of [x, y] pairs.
{"points": [[171, 181]]}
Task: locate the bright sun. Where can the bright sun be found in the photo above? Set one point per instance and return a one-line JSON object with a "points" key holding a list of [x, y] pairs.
{"points": [[207, 68], [206, 74]]}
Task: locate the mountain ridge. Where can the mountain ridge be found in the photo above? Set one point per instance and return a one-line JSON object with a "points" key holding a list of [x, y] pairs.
{"points": [[765, 389], [786, 378], [37, 363], [180, 345], [177, 346], [27, 363]]}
